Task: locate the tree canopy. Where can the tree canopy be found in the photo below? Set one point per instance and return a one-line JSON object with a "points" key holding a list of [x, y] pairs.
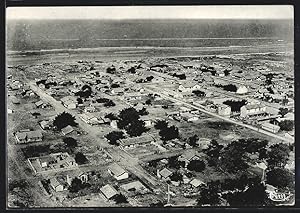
{"points": [[114, 136], [64, 119], [278, 155], [286, 125], [80, 158], [280, 178], [70, 142], [196, 165], [129, 119]]}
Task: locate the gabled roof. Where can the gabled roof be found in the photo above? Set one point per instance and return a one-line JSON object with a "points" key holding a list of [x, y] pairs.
{"points": [[189, 154], [54, 182], [165, 172], [68, 129], [39, 103], [108, 191], [21, 135], [34, 134], [196, 182], [116, 169]]}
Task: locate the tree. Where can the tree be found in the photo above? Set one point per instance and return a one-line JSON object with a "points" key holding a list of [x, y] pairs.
{"points": [[174, 163], [111, 116], [161, 124], [278, 155], [64, 119], [80, 158], [280, 178], [143, 111], [70, 142], [102, 100], [109, 103], [136, 128], [114, 136], [213, 152], [176, 177], [199, 93], [131, 70], [209, 196], [286, 125], [234, 158], [192, 141], [76, 185], [149, 78], [85, 91], [235, 105], [255, 195], [127, 116], [115, 86], [111, 70], [119, 198], [169, 133], [196, 165], [148, 101], [283, 111]]}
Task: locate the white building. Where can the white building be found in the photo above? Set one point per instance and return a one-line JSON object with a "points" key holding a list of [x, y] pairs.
{"points": [[117, 172], [252, 110]]}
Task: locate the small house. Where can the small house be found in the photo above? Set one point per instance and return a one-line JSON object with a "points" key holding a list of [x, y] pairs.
{"points": [[196, 183], [250, 110], [164, 174], [270, 127], [34, 136], [117, 172], [46, 124], [136, 141], [224, 110], [89, 109], [69, 102], [67, 130], [114, 124], [189, 155], [56, 185], [29, 136], [108, 191]]}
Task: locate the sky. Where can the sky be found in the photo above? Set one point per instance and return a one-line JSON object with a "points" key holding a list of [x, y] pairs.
{"points": [[153, 12]]}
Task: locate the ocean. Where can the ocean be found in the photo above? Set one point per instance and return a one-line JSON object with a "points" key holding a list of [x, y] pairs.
{"points": [[73, 34]]}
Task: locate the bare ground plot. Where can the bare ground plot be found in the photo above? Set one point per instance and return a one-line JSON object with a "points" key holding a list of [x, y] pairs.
{"points": [[141, 151], [219, 130]]}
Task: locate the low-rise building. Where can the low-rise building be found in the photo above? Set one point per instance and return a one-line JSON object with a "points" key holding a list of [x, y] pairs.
{"points": [[46, 124], [196, 183], [136, 141], [67, 130], [69, 102], [29, 136], [56, 185], [117, 172], [250, 110], [270, 127], [108, 191], [164, 174], [224, 110]]}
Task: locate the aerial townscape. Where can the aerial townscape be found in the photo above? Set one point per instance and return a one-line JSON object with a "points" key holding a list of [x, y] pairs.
{"points": [[123, 129]]}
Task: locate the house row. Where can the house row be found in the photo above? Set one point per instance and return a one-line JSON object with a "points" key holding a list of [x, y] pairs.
{"points": [[165, 175]]}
